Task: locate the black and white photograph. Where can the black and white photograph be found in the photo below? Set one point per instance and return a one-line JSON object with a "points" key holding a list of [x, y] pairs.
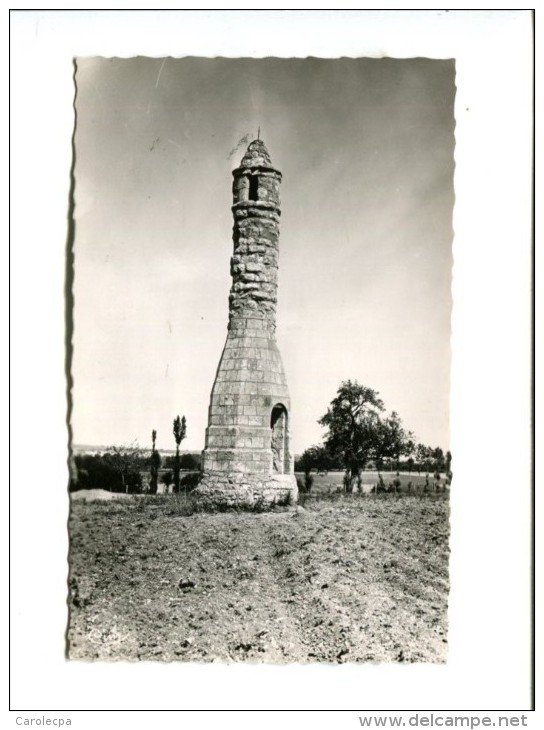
{"points": [[290, 277], [247, 505]]}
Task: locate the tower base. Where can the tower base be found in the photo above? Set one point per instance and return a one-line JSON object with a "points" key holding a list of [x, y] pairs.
{"points": [[253, 491]]}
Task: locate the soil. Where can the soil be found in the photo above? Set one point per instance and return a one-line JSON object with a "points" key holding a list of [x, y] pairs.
{"points": [[344, 579]]}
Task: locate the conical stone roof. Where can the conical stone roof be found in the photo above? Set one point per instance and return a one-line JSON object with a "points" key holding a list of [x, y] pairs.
{"points": [[256, 155]]}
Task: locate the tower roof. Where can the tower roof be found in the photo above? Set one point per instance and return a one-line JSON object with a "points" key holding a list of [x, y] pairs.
{"points": [[256, 155]]}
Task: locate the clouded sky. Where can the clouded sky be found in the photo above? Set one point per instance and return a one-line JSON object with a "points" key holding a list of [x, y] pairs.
{"points": [[366, 150]]}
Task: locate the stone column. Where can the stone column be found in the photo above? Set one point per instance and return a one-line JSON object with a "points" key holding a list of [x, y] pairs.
{"points": [[239, 465]]}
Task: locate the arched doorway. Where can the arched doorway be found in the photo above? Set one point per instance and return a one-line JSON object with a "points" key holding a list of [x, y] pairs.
{"points": [[280, 439]]}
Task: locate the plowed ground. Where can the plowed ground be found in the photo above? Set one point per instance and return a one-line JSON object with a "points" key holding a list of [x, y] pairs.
{"points": [[345, 579]]}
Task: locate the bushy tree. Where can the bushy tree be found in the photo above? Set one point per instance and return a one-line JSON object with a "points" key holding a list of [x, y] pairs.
{"points": [[189, 481], [117, 469], [127, 462], [359, 430], [438, 458], [189, 462], [92, 471], [431, 459], [395, 440], [448, 462], [317, 457], [354, 425], [423, 456]]}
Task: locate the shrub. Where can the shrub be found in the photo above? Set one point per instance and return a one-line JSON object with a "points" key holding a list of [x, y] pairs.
{"points": [[188, 482], [182, 505], [189, 462], [100, 472]]}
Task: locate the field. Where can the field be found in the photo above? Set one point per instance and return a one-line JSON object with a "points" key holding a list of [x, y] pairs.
{"points": [[343, 579], [331, 482]]}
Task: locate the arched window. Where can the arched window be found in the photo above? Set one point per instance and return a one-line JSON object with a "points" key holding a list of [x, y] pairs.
{"points": [[254, 187], [279, 439]]}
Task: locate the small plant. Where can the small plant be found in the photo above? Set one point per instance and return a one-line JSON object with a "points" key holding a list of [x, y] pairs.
{"points": [[308, 482], [183, 505], [287, 501]]}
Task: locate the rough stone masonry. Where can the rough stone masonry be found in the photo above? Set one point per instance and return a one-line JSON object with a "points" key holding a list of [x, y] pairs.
{"points": [[247, 459]]}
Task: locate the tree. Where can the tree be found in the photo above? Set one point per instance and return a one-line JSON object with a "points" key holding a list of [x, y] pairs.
{"points": [[127, 462], [180, 431], [439, 462], [355, 428], [448, 462], [359, 430], [423, 456], [410, 450], [94, 471], [189, 462], [317, 457], [155, 464], [395, 440]]}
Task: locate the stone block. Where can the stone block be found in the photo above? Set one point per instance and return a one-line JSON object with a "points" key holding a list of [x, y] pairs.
{"points": [[254, 267], [255, 420]]}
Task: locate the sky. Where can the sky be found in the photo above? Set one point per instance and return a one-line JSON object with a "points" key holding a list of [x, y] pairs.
{"points": [[366, 149]]}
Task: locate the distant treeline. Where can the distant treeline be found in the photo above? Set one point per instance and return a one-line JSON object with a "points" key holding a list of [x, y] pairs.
{"points": [[421, 459], [125, 470]]}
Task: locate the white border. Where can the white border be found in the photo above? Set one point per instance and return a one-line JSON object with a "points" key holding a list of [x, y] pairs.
{"points": [[490, 630]]}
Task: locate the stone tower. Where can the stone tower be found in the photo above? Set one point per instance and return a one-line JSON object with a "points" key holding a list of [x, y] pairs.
{"points": [[247, 457]]}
